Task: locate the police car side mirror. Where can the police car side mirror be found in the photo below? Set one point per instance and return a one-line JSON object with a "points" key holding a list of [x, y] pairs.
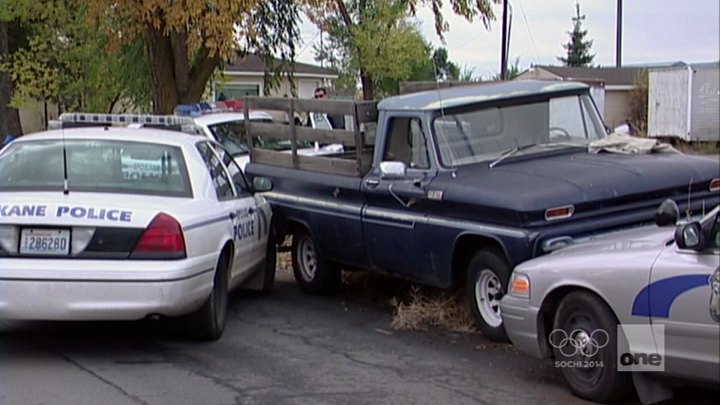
{"points": [[690, 236], [261, 184]]}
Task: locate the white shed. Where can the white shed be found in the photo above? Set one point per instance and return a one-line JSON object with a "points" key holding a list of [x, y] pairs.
{"points": [[684, 102]]}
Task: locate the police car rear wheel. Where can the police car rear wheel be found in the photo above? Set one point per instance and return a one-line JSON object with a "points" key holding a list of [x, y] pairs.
{"points": [[487, 276], [313, 273], [586, 349], [208, 323], [270, 262]]}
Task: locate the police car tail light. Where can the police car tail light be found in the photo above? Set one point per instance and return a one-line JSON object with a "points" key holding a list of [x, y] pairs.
{"points": [[163, 235], [715, 184]]}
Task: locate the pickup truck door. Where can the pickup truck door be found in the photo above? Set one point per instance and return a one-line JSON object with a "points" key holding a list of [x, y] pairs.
{"points": [[397, 206], [685, 299]]}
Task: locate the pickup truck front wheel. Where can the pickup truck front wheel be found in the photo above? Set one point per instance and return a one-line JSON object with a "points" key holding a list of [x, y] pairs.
{"points": [[487, 277], [313, 273]]}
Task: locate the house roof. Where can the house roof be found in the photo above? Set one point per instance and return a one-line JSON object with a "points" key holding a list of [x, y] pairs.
{"points": [[253, 64], [612, 76]]}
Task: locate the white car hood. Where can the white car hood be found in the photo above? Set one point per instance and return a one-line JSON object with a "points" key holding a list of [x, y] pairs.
{"points": [[649, 237]]}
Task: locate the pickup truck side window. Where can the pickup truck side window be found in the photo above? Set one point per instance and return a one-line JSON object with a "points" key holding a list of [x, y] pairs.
{"points": [[406, 143]]}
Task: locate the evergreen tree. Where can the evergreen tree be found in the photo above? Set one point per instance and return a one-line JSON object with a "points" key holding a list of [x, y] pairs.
{"points": [[578, 48]]}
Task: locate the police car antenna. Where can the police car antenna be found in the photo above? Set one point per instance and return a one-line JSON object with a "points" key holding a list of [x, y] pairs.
{"points": [[66, 189]]}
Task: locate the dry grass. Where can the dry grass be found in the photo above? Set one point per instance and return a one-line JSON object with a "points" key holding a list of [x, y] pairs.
{"points": [[425, 308], [413, 307]]}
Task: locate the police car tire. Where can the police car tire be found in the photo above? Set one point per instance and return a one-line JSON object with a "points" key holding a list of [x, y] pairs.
{"points": [[269, 265], [483, 261], [609, 385], [208, 322], [323, 278]]}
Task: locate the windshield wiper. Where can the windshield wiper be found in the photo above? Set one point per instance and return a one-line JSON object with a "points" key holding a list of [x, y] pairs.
{"points": [[510, 153]]}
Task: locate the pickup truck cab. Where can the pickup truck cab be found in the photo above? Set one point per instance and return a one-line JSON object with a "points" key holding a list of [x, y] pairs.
{"points": [[455, 187]]}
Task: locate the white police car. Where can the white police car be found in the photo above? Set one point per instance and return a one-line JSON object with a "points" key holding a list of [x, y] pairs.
{"points": [[82, 238]]}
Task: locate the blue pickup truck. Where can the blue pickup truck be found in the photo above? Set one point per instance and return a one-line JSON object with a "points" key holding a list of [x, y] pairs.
{"points": [[454, 187]]}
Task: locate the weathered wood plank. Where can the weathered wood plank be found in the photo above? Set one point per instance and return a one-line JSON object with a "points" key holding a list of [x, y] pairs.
{"points": [[326, 164], [366, 111], [284, 132], [271, 157]]}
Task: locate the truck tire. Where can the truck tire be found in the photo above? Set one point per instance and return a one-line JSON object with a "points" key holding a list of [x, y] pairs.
{"points": [[208, 322], [585, 333], [313, 273], [488, 274]]}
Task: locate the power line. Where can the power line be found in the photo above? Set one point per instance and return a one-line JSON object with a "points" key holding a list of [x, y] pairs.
{"points": [[527, 24], [308, 44]]}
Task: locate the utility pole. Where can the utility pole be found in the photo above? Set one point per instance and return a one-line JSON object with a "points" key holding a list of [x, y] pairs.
{"points": [[503, 46], [618, 35]]}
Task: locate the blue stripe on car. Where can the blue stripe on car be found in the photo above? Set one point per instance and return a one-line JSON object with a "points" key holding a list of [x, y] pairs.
{"points": [[656, 298], [208, 222]]}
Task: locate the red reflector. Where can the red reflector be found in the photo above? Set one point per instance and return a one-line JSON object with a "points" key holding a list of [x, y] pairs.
{"points": [[559, 212], [714, 184], [164, 234]]}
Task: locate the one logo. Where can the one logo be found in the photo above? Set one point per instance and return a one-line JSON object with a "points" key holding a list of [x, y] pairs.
{"points": [[641, 347], [579, 342], [715, 295]]}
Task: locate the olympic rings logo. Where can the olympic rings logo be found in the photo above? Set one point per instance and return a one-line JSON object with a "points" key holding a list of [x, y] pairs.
{"points": [[579, 342]]}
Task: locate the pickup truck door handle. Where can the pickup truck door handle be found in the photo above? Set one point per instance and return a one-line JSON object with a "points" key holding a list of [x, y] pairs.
{"points": [[372, 182]]}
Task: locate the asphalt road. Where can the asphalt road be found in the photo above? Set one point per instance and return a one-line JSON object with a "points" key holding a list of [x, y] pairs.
{"points": [[287, 348]]}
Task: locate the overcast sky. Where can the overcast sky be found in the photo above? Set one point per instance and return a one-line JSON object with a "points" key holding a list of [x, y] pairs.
{"points": [[654, 31]]}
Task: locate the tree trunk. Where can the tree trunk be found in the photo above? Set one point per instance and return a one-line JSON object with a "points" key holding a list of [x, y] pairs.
{"points": [[367, 85], [9, 117], [174, 80]]}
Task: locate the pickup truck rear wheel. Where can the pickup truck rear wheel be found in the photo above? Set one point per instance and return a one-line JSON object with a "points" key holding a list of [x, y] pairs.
{"points": [[313, 273], [488, 274]]}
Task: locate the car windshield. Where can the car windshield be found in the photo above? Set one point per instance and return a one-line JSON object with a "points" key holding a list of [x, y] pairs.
{"points": [[489, 133], [95, 166], [231, 135]]}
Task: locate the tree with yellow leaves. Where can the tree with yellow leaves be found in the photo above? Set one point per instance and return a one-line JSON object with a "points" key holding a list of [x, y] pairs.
{"points": [[187, 40]]}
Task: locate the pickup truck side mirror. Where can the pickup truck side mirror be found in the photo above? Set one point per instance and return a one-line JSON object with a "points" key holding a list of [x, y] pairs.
{"points": [[261, 184], [392, 170], [667, 213], [690, 236]]}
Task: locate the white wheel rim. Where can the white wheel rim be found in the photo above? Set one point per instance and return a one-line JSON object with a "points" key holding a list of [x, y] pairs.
{"points": [[307, 259], [488, 291]]}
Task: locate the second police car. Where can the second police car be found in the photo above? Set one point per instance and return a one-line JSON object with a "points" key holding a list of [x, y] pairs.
{"points": [[83, 239]]}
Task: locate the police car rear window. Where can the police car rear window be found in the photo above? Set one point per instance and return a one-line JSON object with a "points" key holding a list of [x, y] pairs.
{"points": [[95, 166]]}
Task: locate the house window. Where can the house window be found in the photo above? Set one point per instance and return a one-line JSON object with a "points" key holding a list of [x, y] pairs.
{"points": [[232, 91]]}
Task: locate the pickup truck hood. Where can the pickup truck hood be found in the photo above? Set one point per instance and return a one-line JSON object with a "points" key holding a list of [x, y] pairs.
{"points": [[588, 181]]}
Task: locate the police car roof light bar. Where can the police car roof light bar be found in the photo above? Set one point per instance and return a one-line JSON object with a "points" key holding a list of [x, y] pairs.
{"points": [[124, 119]]}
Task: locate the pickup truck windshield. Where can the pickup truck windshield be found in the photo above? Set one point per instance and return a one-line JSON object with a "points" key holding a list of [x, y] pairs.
{"points": [[486, 134]]}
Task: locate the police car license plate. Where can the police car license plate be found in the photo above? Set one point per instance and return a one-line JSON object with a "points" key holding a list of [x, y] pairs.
{"points": [[38, 241]]}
